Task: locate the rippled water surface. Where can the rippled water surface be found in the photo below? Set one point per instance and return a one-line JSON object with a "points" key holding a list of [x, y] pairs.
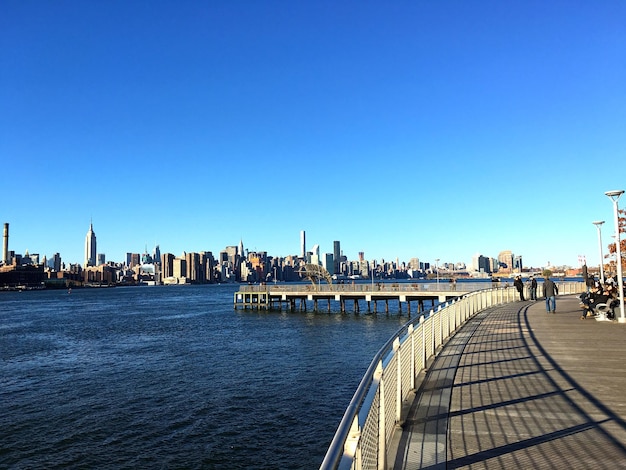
{"points": [[174, 377]]}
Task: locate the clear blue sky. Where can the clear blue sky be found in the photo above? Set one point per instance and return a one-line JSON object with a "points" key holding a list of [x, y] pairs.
{"points": [[403, 129]]}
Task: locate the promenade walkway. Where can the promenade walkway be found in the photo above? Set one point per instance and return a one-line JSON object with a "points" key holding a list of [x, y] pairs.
{"points": [[519, 388]]}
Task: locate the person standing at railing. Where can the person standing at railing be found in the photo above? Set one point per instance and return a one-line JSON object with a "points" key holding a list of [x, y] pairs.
{"points": [[519, 285], [550, 290], [533, 288]]}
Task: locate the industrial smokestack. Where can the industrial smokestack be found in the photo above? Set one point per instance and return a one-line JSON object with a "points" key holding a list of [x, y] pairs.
{"points": [[5, 244]]}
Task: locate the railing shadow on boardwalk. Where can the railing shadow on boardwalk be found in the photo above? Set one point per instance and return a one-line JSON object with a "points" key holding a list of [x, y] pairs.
{"points": [[376, 416], [524, 410]]}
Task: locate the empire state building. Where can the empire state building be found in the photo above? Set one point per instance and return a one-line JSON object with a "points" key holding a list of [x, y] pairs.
{"points": [[90, 247]]}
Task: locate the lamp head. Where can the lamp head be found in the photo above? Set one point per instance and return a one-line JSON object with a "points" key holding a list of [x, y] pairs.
{"points": [[597, 223], [615, 194]]}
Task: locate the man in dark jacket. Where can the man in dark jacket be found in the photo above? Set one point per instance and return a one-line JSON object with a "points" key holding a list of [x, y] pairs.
{"points": [[519, 285], [550, 290]]}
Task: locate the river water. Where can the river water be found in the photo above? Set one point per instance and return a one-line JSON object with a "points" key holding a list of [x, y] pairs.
{"points": [[174, 377]]}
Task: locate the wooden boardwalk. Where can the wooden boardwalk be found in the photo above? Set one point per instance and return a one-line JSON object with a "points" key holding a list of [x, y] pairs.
{"points": [[520, 388]]}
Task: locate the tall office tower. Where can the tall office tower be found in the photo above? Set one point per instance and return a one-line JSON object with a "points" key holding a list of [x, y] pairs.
{"points": [[232, 256], [240, 250], [135, 260], [90, 247], [101, 259], [303, 244], [336, 255], [56, 262], [328, 262], [167, 265], [193, 267], [361, 255], [505, 258], [5, 244], [209, 265], [180, 268], [156, 254], [315, 255]]}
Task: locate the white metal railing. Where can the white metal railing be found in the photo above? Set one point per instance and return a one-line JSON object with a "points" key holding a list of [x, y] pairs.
{"points": [[367, 426], [367, 287]]}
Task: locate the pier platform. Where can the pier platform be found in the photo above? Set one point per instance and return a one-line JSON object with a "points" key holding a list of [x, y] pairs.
{"points": [[517, 387], [350, 297]]}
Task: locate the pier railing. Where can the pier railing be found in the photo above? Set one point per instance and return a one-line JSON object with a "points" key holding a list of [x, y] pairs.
{"points": [[376, 409], [365, 287]]}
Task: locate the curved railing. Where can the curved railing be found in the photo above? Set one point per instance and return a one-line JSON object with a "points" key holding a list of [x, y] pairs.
{"points": [[375, 410]]}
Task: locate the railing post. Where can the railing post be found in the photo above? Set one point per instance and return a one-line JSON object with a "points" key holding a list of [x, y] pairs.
{"points": [[432, 331], [382, 444], [423, 340], [439, 317], [398, 354], [411, 330]]}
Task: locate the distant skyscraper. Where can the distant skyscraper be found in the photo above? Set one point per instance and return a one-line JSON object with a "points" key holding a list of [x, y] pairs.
{"points": [[336, 256], [90, 247], [505, 258], [56, 262], [315, 255], [303, 244], [5, 244]]}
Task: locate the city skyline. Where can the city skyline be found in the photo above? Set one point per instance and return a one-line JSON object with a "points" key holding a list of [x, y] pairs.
{"points": [[430, 129], [506, 257]]}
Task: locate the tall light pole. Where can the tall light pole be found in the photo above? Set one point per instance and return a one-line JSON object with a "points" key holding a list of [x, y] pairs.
{"points": [[598, 224], [614, 196], [437, 269]]}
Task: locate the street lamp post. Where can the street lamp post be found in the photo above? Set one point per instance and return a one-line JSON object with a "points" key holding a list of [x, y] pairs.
{"points": [[598, 224], [614, 196], [437, 269]]}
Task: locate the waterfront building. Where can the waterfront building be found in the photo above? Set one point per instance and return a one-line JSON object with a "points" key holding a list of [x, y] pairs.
{"points": [[207, 265], [167, 265], [90, 247], [180, 269], [101, 275], [193, 267], [18, 275]]}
